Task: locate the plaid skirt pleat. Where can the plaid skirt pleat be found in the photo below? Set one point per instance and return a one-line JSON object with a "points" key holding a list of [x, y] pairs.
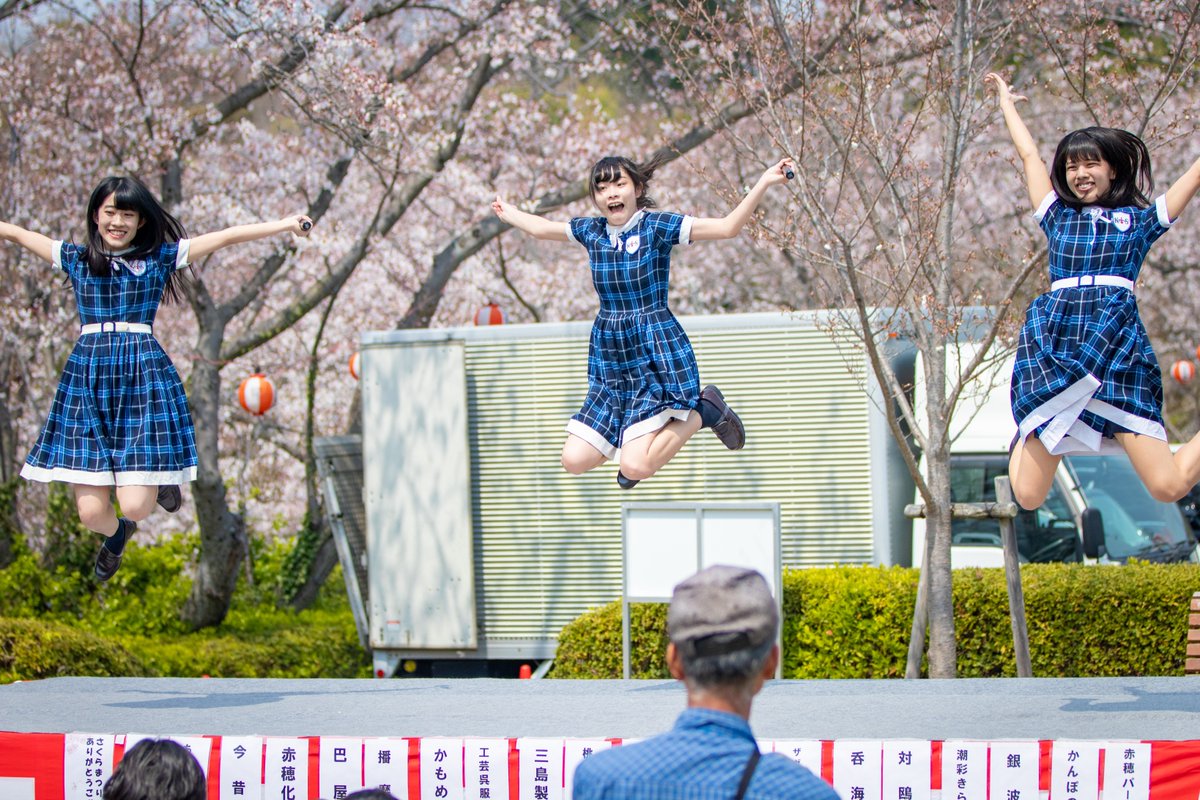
{"points": [[1084, 370], [641, 374], [120, 416]]}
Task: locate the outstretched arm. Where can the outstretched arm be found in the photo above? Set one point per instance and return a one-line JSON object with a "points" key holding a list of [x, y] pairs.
{"points": [[41, 246], [732, 223], [1037, 177], [212, 242], [535, 226], [1183, 190]]}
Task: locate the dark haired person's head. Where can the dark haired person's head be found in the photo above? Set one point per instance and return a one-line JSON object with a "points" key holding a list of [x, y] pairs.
{"points": [[611, 169], [1103, 167], [124, 217], [157, 769], [155, 226], [371, 794]]}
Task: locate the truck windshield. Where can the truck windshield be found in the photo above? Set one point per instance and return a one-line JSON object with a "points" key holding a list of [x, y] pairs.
{"points": [[1045, 534], [1135, 524]]}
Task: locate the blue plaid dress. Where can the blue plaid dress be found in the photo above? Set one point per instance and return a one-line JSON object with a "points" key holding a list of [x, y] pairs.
{"points": [[1085, 368], [641, 369], [120, 415]]}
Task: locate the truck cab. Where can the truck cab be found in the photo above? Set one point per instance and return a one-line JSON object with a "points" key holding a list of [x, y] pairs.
{"points": [[1098, 510], [1096, 499]]}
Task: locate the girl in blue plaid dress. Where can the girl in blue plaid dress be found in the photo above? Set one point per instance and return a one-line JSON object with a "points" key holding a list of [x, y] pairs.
{"points": [[120, 420], [644, 399], [1086, 379]]}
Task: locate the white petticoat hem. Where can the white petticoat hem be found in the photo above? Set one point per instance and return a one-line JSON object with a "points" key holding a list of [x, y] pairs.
{"points": [[1067, 435], [85, 478], [592, 437]]}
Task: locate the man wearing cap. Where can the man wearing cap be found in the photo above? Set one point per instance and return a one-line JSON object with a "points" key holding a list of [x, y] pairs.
{"points": [[722, 625]]}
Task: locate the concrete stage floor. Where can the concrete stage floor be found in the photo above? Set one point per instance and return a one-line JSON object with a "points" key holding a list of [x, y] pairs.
{"points": [[1033, 708]]}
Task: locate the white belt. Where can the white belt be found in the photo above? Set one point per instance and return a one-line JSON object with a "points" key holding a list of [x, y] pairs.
{"points": [[1092, 280], [115, 327]]}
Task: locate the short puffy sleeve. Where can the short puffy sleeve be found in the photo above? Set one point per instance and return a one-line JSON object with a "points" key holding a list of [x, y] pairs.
{"points": [[174, 255], [1048, 212], [577, 229], [66, 255], [671, 228]]}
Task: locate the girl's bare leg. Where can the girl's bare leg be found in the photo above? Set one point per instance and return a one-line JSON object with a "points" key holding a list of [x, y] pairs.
{"points": [[1168, 476], [1031, 472], [137, 502], [95, 507], [578, 456], [646, 455], [96, 510]]}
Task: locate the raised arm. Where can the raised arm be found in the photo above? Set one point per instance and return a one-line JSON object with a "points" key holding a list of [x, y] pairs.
{"points": [[732, 223], [1183, 190], [535, 226], [201, 246], [1037, 177], [41, 246]]}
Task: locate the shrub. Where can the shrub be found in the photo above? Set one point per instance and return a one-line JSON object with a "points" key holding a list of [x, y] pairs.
{"points": [[137, 614], [854, 622], [31, 649]]}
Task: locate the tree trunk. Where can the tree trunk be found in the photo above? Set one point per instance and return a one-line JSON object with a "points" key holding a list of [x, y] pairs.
{"points": [[223, 541], [322, 564], [10, 522], [943, 651]]}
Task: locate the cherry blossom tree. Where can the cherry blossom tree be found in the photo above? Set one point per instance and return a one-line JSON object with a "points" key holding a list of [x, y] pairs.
{"points": [[391, 124]]}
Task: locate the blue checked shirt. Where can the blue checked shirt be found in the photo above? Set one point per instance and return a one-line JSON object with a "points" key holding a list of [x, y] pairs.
{"points": [[701, 758]]}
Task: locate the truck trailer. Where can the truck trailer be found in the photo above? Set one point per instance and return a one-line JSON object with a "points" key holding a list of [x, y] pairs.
{"points": [[481, 547]]}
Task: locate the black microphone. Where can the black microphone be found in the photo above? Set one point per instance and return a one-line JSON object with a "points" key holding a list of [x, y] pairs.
{"points": [[305, 225]]}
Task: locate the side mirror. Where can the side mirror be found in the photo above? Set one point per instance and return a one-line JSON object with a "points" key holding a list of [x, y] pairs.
{"points": [[1093, 532]]}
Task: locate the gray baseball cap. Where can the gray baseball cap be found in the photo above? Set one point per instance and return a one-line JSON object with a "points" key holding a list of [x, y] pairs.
{"points": [[722, 609]]}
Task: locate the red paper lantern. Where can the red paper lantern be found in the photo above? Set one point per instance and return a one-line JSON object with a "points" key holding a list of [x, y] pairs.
{"points": [[354, 366], [1183, 371], [257, 394], [489, 315], [1198, 351]]}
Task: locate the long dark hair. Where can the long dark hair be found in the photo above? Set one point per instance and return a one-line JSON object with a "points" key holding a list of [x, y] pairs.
{"points": [[1124, 152], [608, 169], [157, 769], [158, 227]]}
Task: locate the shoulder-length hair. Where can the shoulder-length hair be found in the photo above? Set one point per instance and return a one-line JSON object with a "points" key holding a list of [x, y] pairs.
{"points": [[1124, 152]]}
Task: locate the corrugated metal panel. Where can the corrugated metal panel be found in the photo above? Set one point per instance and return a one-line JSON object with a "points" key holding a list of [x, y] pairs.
{"points": [[547, 544]]}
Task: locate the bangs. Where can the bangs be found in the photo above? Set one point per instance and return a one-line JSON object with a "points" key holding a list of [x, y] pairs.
{"points": [[607, 170], [1080, 146], [127, 197]]}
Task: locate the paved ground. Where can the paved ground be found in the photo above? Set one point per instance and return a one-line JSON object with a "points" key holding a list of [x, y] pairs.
{"points": [[1036, 708]]}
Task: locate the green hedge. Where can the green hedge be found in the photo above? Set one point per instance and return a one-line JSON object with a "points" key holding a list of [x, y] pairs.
{"points": [[30, 649], [853, 622], [57, 620]]}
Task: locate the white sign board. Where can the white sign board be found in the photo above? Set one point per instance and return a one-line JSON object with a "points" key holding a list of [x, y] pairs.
{"points": [[664, 543]]}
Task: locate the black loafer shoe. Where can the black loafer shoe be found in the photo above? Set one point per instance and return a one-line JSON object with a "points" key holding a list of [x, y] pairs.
{"points": [[108, 562], [170, 498], [625, 483], [729, 428]]}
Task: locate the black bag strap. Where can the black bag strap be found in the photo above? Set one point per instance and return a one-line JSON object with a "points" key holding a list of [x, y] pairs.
{"points": [[748, 773]]}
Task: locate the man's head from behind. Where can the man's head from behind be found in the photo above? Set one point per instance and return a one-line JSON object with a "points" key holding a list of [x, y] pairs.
{"points": [[722, 624]]}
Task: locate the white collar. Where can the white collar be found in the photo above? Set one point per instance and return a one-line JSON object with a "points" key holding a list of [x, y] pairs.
{"points": [[614, 233]]}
